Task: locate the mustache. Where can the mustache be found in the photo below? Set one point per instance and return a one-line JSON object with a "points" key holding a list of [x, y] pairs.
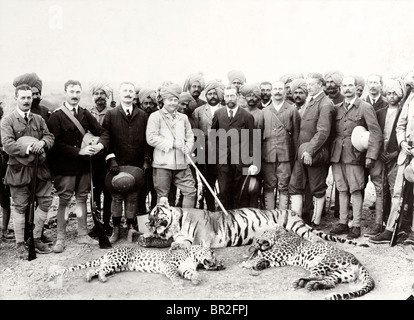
{"points": [[128, 96], [347, 91]]}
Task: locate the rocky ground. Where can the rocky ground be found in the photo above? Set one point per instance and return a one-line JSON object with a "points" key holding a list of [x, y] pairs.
{"points": [[392, 269]]}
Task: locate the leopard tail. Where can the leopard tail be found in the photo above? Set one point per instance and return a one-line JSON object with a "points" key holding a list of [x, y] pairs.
{"points": [[368, 285]]}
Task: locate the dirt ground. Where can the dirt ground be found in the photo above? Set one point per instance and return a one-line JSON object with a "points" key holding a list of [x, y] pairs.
{"points": [[391, 268]]}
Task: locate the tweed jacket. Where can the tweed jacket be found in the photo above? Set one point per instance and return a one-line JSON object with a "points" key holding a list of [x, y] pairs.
{"points": [[13, 126], [243, 125], [277, 144], [316, 124], [405, 126], [162, 139], [363, 114], [203, 119], [127, 137], [64, 156]]}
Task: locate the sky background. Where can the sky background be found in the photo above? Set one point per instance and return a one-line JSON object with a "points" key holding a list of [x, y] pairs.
{"points": [[150, 41]]}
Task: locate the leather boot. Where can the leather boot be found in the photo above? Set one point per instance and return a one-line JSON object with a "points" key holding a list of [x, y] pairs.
{"points": [[5, 225], [269, 200], [318, 205], [296, 203], [283, 201], [115, 234]]}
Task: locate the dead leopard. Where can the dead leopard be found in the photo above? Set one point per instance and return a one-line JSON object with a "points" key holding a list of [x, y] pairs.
{"points": [[173, 264], [327, 264]]}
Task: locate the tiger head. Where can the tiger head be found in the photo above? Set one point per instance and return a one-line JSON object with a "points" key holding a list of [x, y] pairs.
{"points": [[161, 218]]}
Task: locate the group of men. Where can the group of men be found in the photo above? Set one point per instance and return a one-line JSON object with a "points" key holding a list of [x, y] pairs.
{"points": [[268, 145]]}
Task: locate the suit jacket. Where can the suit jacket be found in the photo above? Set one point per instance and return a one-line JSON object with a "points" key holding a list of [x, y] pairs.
{"points": [[127, 137], [243, 125], [316, 124], [363, 114], [13, 127], [379, 104], [405, 126], [278, 144], [381, 116], [203, 119], [64, 157]]}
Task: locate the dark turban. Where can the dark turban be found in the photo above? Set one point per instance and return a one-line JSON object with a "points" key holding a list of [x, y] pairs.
{"points": [[218, 86], [336, 76], [236, 74], [360, 81], [195, 77], [249, 88], [172, 90], [298, 84], [31, 79], [147, 93], [101, 86], [395, 85], [290, 77]]}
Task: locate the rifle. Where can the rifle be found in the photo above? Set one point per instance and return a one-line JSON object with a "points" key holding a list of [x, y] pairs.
{"points": [[96, 215], [403, 204], [30, 222]]}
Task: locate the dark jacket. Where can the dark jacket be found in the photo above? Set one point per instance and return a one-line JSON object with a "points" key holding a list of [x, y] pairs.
{"points": [[379, 104], [64, 158], [127, 137], [392, 143]]}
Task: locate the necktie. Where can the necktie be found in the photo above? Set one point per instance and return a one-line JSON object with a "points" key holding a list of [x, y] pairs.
{"points": [[74, 112], [231, 114], [347, 105], [128, 113], [373, 101], [173, 115], [25, 117]]}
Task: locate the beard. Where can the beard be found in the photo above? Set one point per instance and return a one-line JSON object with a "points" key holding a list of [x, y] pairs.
{"points": [[231, 105], [36, 102], [212, 102]]}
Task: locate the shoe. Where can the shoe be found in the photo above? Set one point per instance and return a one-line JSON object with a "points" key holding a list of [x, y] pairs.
{"points": [[46, 239], [86, 240], [374, 231], [22, 250], [6, 236], [384, 237], [315, 226], [108, 230], [410, 239], [93, 233], [59, 246], [340, 229], [41, 247], [372, 206], [115, 234], [354, 233]]}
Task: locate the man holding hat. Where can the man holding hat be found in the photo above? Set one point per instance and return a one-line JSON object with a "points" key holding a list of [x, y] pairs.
{"points": [[170, 133], [202, 118], [25, 135], [312, 159], [405, 137], [348, 163], [279, 144], [101, 92], [128, 151], [69, 160], [333, 82], [194, 84]]}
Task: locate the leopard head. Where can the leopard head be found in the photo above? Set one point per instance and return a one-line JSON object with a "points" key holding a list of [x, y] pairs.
{"points": [[205, 257], [266, 240]]}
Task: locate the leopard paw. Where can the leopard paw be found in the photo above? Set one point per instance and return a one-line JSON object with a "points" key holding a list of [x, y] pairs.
{"points": [[314, 285], [300, 283]]}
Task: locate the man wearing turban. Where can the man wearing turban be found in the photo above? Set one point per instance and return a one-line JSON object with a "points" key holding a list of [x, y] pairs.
{"points": [[308, 180], [360, 85], [147, 98], [236, 79], [101, 92], [170, 133], [202, 118], [374, 97], [287, 79], [384, 173], [300, 93], [279, 145], [33, 81], [333, 82], [194, 84]]}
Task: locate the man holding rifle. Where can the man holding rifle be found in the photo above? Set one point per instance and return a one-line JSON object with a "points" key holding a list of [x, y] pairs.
{"points": [[25, 135], [405, 138]]}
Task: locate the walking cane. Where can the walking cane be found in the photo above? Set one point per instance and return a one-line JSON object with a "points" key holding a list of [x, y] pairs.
{"points": [[195, 167]]}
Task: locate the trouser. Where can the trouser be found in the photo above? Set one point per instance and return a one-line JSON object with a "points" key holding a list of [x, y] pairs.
{"points": [[230, 179], [66, 187]]}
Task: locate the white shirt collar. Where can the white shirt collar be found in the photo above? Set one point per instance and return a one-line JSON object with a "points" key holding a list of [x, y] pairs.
{"points": [[21, 113], [351, 102], [127, 108], [234, 110], [374, 99], [71, 107], [315, 96]]}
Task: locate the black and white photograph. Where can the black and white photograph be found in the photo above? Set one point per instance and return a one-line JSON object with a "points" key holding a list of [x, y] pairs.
{"points": [[206, 154]]}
